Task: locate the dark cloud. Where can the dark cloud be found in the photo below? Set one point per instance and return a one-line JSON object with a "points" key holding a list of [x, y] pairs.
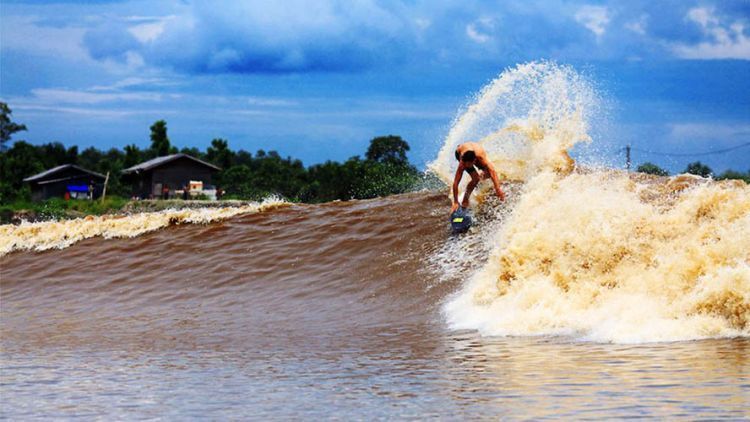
{"points": [[218, 37], [336, 36]]}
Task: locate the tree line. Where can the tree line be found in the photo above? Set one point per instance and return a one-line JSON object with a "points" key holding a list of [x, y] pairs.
{"points": [[697, 168], [383, 170]]}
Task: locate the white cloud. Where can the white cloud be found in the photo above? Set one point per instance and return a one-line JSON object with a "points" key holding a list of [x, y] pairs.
{"points": [[480, 30], [271, 102], [402, 113], [47, 110], [703, 16], [148, 29], [146, 32], [422, 23], [24, 34], [475, 35], [594, 18], [131, 82], [638, 26], [725, 41], [65, 96]]}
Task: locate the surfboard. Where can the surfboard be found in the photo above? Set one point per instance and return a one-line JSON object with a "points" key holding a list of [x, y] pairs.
{"points": [[460, 220]]}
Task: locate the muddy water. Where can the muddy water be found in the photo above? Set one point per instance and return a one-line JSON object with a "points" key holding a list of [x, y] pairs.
{"points": [[316, 311]]}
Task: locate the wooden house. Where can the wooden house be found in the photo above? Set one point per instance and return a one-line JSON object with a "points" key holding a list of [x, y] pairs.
{"points": [[66, 181], [165, 177]]}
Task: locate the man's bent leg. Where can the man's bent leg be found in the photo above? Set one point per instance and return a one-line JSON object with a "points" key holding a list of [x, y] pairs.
{"points": [[469, 189]]}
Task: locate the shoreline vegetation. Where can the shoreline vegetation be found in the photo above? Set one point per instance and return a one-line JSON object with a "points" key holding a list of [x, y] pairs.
{"points": [[60, 209], [244, 176]]}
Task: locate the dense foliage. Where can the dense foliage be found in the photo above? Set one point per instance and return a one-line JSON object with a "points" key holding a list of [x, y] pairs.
{"points": [[56, 208], [7, 126], [651, 168], [697, 168], [244, 175]]}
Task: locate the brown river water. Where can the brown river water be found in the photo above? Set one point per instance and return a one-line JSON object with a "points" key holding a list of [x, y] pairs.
{"points": [[591, 293], [333, 310]]}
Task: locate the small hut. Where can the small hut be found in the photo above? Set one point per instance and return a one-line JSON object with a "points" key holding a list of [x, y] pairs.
{"points": [[66, 181], [167, 177]]}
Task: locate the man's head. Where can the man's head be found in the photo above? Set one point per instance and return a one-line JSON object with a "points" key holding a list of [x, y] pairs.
{"points": [[466, 157]]}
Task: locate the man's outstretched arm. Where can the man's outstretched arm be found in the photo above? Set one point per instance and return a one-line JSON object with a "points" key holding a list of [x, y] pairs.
{"points": [[456, 180], [496, 182]]}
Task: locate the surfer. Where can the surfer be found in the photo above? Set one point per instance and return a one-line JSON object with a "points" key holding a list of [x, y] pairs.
{"points": [[472, 158]]}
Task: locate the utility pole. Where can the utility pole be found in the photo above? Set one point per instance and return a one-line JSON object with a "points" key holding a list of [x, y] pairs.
{"points": [[104, 192], [627, 157]]}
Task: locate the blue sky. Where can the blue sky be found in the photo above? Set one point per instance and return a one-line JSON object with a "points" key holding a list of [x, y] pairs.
{"points": [[317, 79]]}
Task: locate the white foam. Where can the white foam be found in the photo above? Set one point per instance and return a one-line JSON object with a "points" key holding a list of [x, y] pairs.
{"points": [[598, 255]]}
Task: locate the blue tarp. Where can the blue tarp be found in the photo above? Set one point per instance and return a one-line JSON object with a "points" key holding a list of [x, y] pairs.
{"points": [[78, 188]]}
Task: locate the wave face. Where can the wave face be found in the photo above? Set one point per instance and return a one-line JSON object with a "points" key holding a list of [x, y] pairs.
{"points": [[42, 236], [263, 280], [597, 254]]}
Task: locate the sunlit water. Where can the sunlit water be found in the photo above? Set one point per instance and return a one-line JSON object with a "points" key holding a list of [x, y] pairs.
{"points": [[417, 371]]}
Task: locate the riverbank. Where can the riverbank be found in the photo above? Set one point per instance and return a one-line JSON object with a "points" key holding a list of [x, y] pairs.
{"points": [[59, 209]]}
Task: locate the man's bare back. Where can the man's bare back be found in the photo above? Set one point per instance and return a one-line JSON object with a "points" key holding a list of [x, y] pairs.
{"points": [[472, 158]]}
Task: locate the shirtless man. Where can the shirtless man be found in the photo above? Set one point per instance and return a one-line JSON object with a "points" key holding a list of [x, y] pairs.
{"points": [[472, 158]]}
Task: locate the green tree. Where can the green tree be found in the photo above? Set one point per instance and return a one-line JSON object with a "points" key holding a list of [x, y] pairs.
{"points": [[243, 157], [133, 156], [275, 175], [20, 161], [381, 179], [55, 154], [651, 168], [328, 182], [388, 149], [90, 158], [387, 170], [193, 152], [733, 174], [699, 169], [238, 183], [160, 145], [219, 153], [7, 126], [113, 163]]}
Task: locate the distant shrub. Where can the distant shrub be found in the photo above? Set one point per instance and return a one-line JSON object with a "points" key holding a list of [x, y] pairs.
{"points": [[699, 169], [736, 175], [51, 209], [651, 168]]}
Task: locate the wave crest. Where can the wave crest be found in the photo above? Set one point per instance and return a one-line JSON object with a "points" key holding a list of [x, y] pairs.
{"points": [[598, 254]]}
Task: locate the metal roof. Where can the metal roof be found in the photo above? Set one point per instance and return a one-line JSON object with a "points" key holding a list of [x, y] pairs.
{"points": [[158, 161], [57, 169]]}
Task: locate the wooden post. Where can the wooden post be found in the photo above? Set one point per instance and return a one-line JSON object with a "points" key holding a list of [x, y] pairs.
{"points": [[627, 157], [104, 191]]}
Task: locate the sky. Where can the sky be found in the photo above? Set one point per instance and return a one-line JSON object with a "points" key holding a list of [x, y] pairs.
{"points": [[317, 79]]}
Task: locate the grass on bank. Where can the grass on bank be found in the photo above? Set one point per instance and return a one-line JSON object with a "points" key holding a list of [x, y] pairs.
{"points": [[56, 208]]}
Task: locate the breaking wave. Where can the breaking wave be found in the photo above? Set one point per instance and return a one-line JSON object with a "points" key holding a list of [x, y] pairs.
{"points": [[597, 254], [41, 236], [592, 253]]}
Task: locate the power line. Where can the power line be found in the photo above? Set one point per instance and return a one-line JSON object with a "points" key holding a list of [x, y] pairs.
{"points": [[718, 151]]}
